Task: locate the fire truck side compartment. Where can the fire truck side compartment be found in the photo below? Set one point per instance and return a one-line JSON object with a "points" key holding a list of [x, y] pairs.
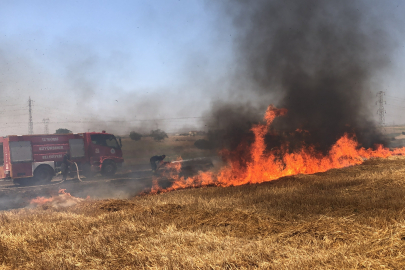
{"points": [[21, 151], [76, 148]]}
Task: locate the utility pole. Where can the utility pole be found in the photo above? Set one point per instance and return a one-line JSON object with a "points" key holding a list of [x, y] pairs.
{"points": [[381, 110], [46, 122], [30, 123]]}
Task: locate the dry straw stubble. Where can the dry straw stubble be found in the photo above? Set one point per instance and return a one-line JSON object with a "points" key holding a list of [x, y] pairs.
{"points": [[348, 218]]}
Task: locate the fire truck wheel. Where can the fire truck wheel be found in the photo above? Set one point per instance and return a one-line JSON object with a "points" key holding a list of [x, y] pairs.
{"points": [[43, 174], [109, 168]]}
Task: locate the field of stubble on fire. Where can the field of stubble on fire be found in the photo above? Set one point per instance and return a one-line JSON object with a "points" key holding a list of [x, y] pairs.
{"points": [[341, 219]]}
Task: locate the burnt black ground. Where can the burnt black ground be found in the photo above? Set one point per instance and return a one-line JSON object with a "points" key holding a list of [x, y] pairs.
{"points": [[121, 186]]}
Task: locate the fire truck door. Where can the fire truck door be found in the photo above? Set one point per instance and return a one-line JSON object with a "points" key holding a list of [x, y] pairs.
{"points": [[21, 159]]}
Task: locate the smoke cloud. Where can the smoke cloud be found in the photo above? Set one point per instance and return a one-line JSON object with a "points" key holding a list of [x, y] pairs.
{"points": [[316, 59]]}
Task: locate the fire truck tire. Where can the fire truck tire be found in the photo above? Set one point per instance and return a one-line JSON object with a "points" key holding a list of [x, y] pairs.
{"points": [[43, 174], [109, 168]]}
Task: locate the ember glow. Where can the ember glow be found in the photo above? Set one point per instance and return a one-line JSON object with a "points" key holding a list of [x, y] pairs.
{"points": [[263, 166]]}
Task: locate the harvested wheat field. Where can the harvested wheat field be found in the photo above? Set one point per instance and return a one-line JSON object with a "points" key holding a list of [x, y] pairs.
{"points": [[341, 219]]}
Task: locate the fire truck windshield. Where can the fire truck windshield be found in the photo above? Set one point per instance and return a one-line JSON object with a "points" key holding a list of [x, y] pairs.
{"points": [[105, 140]]}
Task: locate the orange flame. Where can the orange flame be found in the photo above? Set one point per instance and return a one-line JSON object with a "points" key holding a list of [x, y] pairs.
{"points": [[267, 166], [171, 171], [64, 199]]}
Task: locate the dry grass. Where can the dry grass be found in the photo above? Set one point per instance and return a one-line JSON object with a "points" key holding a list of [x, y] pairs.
{"points": [[342, 219]]}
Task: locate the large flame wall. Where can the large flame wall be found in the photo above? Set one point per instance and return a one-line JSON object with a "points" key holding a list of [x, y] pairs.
{"points": [[265, 166]]}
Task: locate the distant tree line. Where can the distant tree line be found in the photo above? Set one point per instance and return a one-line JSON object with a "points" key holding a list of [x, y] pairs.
{"points": [[135, 136], [157, 135], [63, 131]]}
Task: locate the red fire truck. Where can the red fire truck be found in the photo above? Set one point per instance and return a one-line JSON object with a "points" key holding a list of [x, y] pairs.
{"points": [[37, 158]]}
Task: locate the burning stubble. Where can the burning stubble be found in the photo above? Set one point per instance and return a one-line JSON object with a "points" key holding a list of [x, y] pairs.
{"points": [[316, 59]]}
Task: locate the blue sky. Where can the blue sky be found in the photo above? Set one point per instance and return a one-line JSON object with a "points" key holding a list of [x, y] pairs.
{"points": [[82, 61], [98, 57], [141, 42]]}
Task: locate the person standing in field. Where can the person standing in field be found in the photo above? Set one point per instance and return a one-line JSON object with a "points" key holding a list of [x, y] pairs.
{"points": [[155, 161], [65, 165]]}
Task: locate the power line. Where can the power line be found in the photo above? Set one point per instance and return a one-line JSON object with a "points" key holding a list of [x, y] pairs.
{"points": [[46, 122], [16, 115], [18, 110], [118, 121], [381, 110], [396, 98], [395, 101], [30, 123], [9, 105], [397, 106]]}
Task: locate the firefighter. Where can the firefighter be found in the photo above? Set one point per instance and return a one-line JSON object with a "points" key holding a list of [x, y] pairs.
{"points": [[65, 165], [155, 161]]}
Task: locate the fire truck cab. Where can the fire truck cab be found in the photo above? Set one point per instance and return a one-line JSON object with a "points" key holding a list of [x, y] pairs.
{"points": [[38, 157]]}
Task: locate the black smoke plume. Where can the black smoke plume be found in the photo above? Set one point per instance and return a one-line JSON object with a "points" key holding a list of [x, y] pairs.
{"points": [[315, 58]]}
